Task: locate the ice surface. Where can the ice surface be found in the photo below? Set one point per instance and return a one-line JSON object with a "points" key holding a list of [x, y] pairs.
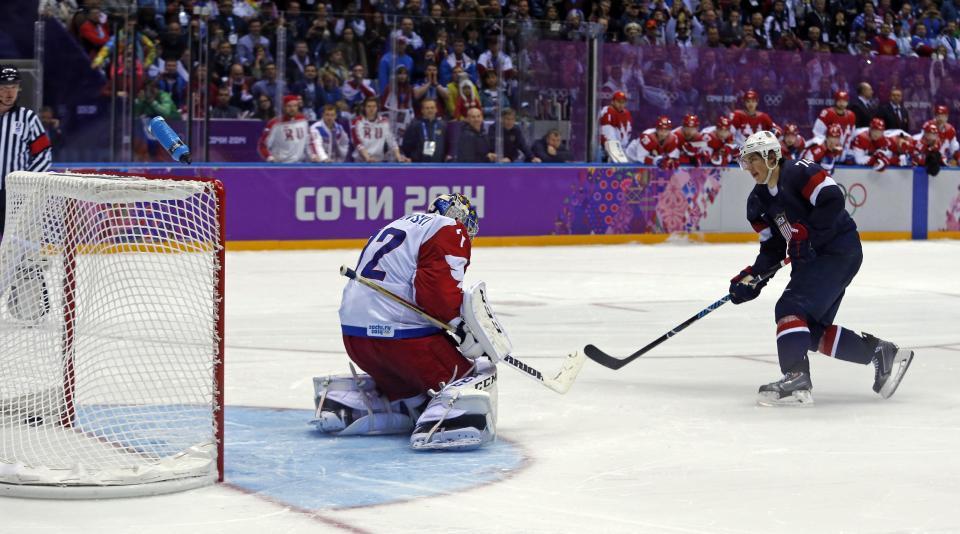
{"points": [[672, 443]]}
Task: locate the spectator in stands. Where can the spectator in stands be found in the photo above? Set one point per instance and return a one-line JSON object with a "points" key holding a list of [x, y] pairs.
{"points": [[473, 145], [372, 136], [94, 32], [239, 86], [397, 101], [336, 64], [885, 43], [233, 26], [247, 43], [548, 148], [331, 141], [894, 115], [152, 102], [950, 40], [173, 83], [492, 96], [461, 95], [406, 34], [297, 62], [864, 108], [458, 58], [265, 111], [431, 88], [357, 88], [920, 43], [351, 19], [222, 60], [286, 139], [223, 109], [494, 59], [375, 39], [269, 85], [311, 92], [62, 10], [52, 125], [173, 41], [332, 91], [353, 50], [515, 147], [426, 138], [320, 36], [731, 31], [297, 22], [390, 61]]}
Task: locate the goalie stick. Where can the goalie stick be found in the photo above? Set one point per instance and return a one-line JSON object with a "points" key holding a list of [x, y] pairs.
{"points": [[614, 363], [560, 382]]}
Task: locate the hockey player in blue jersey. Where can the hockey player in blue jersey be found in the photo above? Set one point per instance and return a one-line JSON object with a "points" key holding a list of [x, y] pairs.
{"points": [[798, 210]]}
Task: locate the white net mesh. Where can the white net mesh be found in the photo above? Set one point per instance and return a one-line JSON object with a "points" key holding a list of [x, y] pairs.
{"points": [[109, 330]]}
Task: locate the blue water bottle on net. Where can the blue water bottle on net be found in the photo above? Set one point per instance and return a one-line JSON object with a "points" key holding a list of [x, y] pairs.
{"points": [[178, 150]]}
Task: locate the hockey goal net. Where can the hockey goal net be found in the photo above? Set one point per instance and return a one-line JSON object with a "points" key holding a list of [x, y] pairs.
{"points": [[111, 335]]}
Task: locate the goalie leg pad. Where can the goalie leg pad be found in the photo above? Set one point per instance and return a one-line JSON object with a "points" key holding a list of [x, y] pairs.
{"points": [[349, 405], [462, 415]]}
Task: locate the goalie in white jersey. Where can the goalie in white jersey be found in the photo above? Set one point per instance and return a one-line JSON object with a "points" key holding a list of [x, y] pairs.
{"points": [[420, 379], [287, 139]]}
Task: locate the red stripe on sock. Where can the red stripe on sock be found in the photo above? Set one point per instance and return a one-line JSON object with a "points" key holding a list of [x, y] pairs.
{"points": [[828, 340], [789, 323]]}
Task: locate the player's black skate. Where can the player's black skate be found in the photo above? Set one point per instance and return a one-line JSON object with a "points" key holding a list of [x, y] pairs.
{"points": [[794, 389], [890, 364]]}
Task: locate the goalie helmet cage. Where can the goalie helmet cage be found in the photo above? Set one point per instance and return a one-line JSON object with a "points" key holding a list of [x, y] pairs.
{"points": [[111, 335]]}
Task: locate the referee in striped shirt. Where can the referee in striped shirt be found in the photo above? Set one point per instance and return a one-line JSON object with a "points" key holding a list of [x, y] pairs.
{"points": [[24, 145]]}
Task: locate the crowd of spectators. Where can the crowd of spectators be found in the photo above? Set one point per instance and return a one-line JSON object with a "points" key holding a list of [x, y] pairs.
{"points": [[460, 54]]}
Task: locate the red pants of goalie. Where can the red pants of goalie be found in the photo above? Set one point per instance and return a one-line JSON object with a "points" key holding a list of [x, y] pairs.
{"points": [[404, 368]]}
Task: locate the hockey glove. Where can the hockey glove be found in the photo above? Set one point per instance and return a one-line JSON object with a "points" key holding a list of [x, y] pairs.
{"points": [[467, 342], [799, 247], [742, 288]]}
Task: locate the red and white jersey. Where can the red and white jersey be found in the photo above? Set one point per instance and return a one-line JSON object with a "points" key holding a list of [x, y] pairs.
{"points": [[615, 126], [693, 151], [921, 146], [376, 137], [948, 140], [794, 151], [286, 141], [829, 117], [744, 125], [330, 143], [817, 152], [868, 151], [648, 150], [902, 147], [720, 152], [421, 257]]}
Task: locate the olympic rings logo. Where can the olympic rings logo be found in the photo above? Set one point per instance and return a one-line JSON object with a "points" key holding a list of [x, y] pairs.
{"points": [[855, 195], [772, 100]]}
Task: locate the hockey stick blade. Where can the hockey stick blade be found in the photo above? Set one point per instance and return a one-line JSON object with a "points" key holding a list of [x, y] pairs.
{"points": [[614, 363], [562, 381]]}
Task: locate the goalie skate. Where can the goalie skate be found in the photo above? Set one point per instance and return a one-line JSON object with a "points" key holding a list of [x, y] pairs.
{"points": [[794, 389], [462, 416]]}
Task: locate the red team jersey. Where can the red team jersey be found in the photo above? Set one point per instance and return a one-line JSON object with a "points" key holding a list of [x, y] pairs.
{"points": [[615, 125], [949, 146], [286, 140], [828, 117], [867, 151], [692, 151], [744, 125], [650, 151], [376, 137], [719, 152]]}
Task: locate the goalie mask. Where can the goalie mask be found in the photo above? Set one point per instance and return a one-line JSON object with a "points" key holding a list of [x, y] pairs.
{"points": [[457, 207]]}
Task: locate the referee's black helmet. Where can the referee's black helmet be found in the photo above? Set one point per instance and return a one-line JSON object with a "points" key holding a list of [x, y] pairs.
{"points": [[9, 75]]}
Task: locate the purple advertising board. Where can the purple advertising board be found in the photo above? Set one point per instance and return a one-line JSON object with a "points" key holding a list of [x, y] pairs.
{"points": [[320, 202]]}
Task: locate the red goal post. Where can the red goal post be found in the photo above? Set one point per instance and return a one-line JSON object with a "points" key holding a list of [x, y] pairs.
{"points": [[111, 335]]}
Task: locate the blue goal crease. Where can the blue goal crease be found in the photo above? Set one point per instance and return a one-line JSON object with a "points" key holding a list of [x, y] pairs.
{"points": [[276, 453]]}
